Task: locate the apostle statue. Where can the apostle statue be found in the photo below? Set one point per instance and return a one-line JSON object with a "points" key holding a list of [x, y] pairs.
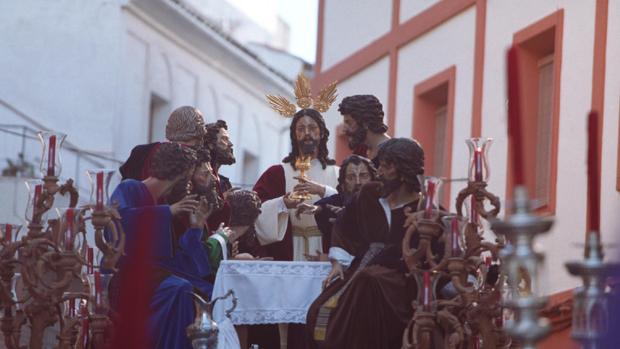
{"points": [[367, 301], [217, 140], [284, 235], [363, 124], [355, 171], [185, 126]]}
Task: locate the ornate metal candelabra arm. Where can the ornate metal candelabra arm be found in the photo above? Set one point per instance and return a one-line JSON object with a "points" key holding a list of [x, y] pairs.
{"points": [[419, 332], [11, 327], [478, 191], [70, 322], [590, 311], [427, 230], [114, 246], [11, 323], [522, 261]]}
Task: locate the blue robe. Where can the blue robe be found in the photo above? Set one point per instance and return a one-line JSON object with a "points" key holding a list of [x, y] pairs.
{"points": [[187, 266]]}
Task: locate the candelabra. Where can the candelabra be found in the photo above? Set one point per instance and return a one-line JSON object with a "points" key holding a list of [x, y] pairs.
{"points": [[54, 263], [520, 264], [464, 311], [590, 309]]}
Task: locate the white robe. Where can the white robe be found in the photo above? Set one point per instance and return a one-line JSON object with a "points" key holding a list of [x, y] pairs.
{"points": [[274, 218]]}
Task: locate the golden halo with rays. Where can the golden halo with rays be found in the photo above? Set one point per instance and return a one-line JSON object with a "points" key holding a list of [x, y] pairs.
{"points": [[303, 95]]}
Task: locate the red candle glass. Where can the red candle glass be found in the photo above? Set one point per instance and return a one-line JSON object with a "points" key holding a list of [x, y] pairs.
{"points": [[35, 189], [97, 289], [594, 188], [100, 182], [69, 223], [430, 196], [89, 267], [85, 325], [50, 159], [453, 225], [514, 117], [69, 230], [99, 190], [8, 233], [426, 291], [478, 159]]}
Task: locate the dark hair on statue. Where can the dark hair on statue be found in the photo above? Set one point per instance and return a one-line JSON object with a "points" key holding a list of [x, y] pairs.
{"points": [[211, 136], [366, 110], [203, 154], [356, 160], [407, 156], [244, 206], [172, 160], [323, 155]]}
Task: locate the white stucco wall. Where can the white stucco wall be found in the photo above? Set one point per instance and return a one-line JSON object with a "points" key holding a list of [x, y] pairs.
{"points": [[503, 20], [89, 68], [453, 43], [447, 45], [410, 8], [193, 78], [351, 25]]}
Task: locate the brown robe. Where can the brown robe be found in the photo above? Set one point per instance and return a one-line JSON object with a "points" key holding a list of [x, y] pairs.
{"points": [[373, 309]]}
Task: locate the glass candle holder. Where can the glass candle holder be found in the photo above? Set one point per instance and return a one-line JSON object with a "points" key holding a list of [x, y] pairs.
{"points": [[83, 335], [94, 258], [10, 232], [99, 186], [470, 209], [71, 307], [453, 232], [35, 190], [478, 159], [426, 284], [98, 284], [18, 291], [429, 203], [70, 219], [51, 162], [590, 314]]}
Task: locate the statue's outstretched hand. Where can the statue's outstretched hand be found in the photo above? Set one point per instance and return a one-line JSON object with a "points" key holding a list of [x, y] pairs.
{"points": [[310, 186], [290, 202], [335, 209], [305, 208]]}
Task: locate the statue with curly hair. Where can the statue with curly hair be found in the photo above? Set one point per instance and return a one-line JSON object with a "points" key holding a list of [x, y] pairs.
{"points": [[156, 276], [283, 234], [368, 281], [185, 126], [217, 141], [363, 124]]}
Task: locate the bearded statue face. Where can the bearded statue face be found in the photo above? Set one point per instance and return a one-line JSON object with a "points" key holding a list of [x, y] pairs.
{"points": [[355, 132], [356, 175], [224, 154], [308, 135], [204, 184], [388, 175]]}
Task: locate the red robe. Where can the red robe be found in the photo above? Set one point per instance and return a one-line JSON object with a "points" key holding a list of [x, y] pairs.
{"points": [[269, 186]]}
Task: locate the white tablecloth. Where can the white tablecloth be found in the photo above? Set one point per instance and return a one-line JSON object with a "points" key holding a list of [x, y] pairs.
{"points": [[268, 292]]}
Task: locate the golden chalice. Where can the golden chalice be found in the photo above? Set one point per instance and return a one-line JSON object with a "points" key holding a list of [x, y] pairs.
{"points": [[302, 163]]}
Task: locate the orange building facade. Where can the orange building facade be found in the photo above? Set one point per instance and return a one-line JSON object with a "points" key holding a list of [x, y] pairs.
{"points": [[439, 69]]}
